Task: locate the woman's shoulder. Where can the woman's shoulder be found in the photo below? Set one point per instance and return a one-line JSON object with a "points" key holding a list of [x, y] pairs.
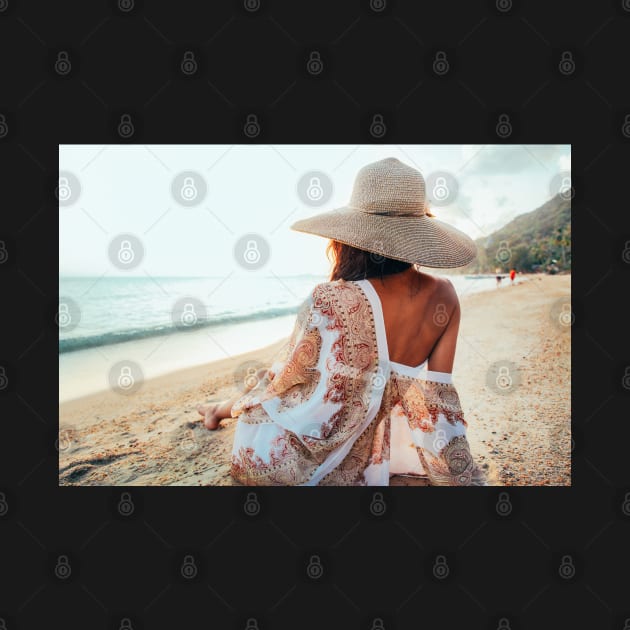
{"points": [[441, 288], [333, 287]]}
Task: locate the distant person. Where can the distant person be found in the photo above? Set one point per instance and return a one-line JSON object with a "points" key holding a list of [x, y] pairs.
{"points": [[499, 280], [512, 274], [380, 401]]}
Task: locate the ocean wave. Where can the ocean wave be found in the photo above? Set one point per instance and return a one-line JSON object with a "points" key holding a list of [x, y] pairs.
{"points": [[72, 344]]}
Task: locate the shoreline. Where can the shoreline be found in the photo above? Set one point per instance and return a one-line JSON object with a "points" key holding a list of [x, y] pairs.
{"points": [[84, 371], [155, 436]]}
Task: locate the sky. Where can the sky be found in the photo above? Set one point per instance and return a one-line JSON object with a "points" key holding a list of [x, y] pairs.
{"points": [[255, 192]]}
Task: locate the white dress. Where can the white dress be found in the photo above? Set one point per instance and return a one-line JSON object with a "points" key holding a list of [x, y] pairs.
{"points": [[333, 409]]}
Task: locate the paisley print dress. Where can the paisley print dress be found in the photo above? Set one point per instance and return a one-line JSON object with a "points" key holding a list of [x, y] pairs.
{"points": [[334, 410]]}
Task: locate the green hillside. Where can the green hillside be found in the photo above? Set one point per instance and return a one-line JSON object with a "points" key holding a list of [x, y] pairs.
{"points": [[535, 241]]}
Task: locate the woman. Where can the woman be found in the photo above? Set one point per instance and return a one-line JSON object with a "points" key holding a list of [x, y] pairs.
{"points": [[362, 390]]}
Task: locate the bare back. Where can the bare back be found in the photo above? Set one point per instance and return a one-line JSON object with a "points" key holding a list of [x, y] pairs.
{"points": [[421, 314]]}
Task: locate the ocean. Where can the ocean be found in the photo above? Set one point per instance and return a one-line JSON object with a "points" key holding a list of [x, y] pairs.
{"points": [[163, 324], [115, 310]]}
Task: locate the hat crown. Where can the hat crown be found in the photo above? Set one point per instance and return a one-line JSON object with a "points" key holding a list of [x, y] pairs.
{"points": [[389, 187]]}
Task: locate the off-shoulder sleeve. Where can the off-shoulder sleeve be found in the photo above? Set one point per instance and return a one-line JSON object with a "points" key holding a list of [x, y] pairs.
{"points": [[293, 368], [320, 393], [438, 429]]}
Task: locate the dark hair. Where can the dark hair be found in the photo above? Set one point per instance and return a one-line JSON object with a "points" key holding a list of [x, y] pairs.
{"points": [[351, 263]]}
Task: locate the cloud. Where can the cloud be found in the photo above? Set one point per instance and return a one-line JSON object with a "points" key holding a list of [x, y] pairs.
{"points": [[502, 159]]}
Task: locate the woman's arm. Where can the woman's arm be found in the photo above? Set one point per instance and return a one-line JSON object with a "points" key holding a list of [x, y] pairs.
{"points": [[443, 354]]}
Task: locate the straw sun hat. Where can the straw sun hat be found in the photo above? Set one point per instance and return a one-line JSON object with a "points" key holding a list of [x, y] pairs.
{"points": [[387, 215]]}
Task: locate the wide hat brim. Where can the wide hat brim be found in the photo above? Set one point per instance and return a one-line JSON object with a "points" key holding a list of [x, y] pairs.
{"points": [[417, 239]]}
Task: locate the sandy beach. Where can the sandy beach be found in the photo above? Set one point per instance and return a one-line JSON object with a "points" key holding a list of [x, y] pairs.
{"points": [[521, 434]]}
